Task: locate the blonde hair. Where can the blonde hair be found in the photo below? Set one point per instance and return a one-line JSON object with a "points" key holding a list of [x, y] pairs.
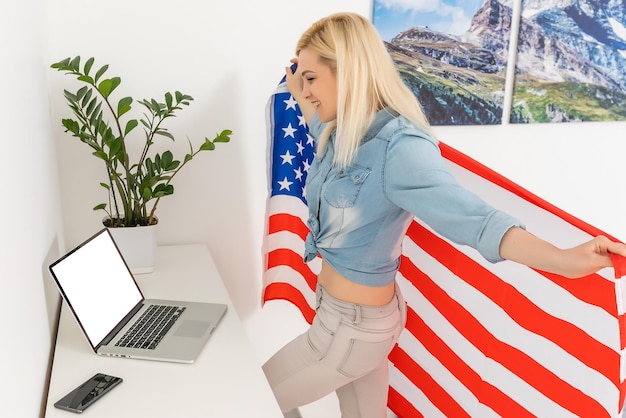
{"points": [[367, 80]]}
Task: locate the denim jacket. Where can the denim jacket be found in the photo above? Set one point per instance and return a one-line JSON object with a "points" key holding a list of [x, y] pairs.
{"points": [[358, 216]]}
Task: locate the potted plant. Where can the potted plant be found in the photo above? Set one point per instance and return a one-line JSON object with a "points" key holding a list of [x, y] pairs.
{"points": [[135, 183]]}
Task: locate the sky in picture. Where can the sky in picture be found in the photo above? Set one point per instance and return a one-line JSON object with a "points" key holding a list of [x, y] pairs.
{"points": [[448, 16]]}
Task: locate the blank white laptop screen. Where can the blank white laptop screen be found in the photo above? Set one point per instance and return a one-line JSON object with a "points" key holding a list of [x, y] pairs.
{"points": [[98, 286]]}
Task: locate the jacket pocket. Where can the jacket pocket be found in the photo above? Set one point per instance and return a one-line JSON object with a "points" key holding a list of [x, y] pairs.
{"points": [[343, 190]]}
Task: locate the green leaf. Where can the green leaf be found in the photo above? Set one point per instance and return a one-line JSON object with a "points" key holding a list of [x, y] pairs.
{"points": [[96, 115], [71, 125], [207, 146], [146, 194], [91, 106], [81, 92], [106, 186], [156, 107], [188, 157], [88, 65], [61, 65], [121, 156], [107, 135], [163, 190], [166, 159], [168, 100], [164, 133], [86, 98], [98, 124], [173, 165], [105, 87], [116, 81], [115, 147], [123, 105], [157, 163], [130, 125], [224, 136], [149, 167], [71, 97], [180, 97], [100, 206], [101, 154], [75, 64], [86, 79], [101, 71]]}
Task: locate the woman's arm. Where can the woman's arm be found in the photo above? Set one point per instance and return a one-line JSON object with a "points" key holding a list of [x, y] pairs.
{"points": [[521, 246]]}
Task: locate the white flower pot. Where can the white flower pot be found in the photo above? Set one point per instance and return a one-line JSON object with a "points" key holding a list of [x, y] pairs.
{"points": [[138, 246]]}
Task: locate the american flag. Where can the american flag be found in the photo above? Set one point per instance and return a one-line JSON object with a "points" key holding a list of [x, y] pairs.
{"points": [[482, 339]]}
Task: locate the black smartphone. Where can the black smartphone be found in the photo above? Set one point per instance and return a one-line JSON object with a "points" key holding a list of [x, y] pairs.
{"points": [[86, 394]]}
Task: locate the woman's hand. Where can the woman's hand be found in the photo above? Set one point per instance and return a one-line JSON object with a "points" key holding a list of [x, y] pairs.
{"points": [[294, 82], [521, 246], [591, 256]]}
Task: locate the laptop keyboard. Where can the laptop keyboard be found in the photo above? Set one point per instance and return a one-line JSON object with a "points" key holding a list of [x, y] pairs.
{"points": [[151, 326]]}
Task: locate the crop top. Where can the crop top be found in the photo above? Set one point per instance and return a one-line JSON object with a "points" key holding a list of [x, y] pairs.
{"points": [[358, 216]]}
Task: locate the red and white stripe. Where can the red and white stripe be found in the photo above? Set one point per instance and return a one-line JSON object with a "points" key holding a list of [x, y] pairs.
{"points": [[482, 339]]}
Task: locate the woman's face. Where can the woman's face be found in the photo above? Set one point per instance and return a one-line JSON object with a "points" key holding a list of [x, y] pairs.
{"points": [[319, 85]]}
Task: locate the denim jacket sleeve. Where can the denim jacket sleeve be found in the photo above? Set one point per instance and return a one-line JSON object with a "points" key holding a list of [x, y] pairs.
{"points": [[417, 180]]}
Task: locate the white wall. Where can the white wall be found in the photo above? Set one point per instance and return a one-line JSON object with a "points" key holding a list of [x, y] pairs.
{"points": [[30, 212], [578, 167], [229, 55]]}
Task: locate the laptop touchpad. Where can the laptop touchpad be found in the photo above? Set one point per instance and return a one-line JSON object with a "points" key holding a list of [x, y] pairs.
{"points": [[191, 328]]}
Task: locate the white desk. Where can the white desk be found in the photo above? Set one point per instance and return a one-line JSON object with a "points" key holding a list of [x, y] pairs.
{"points": [[225, 382]]}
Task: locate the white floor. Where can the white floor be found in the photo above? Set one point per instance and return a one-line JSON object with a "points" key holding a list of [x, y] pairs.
{"points": [[272, 327]]}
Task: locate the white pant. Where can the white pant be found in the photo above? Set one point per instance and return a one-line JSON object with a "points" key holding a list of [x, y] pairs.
{"points": [[344, 350]]}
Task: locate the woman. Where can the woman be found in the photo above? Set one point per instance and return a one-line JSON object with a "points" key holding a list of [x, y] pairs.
{"points": [[377, 167]]}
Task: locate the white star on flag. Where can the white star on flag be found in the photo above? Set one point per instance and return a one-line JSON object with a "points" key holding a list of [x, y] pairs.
{"points": [[291, 103], [285, 184], [287, 157], [289, 130]]}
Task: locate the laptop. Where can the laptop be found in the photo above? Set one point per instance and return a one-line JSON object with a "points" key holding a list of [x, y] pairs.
{"points": [[116, 319]]}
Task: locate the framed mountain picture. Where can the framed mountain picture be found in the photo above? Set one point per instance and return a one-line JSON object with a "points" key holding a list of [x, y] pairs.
{"points": [[571, 62], [452, 54], [489, 62]]}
